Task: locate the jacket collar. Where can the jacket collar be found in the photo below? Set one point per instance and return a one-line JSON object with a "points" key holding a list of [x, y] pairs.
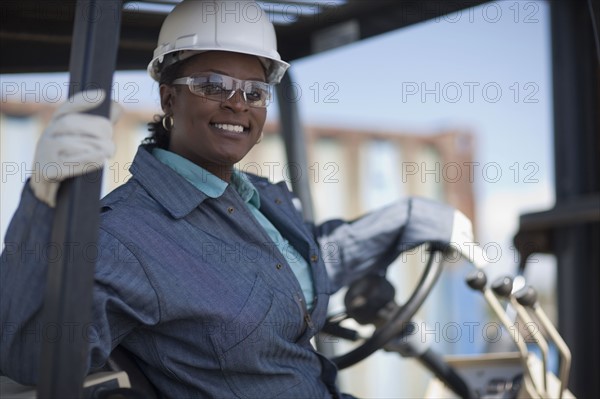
{"points": [[166, 186], [179, 197], [277, 207]]}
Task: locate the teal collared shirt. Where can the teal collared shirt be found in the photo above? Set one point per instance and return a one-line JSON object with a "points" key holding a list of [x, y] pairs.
{"points": [[214, 187]]}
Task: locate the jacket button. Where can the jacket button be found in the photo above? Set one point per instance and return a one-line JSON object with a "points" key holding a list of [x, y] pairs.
{"points": [[314, 258], [279, 266], [230, 210], [278, 201]]}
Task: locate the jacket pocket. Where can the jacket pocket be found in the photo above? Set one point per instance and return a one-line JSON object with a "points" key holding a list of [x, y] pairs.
{"points": [[247, 348]]}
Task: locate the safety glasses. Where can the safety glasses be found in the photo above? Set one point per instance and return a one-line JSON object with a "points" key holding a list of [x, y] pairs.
{"points": [[217, 87]]}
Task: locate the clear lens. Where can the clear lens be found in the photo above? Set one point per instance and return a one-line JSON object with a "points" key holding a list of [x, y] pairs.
{"points": [[218, 87], [257, 93], [210, 86]]}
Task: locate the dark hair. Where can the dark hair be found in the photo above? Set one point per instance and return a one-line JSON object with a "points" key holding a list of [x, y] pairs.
{"points": [[160, 137]]}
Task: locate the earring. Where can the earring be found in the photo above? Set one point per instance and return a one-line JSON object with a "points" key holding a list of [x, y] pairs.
{"points": [[168, 125], [260, 138]]}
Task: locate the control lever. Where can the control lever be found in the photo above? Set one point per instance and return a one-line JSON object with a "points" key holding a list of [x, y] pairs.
{"points": [[527, 297], [409, 344], [477, 280], [502, 287]]}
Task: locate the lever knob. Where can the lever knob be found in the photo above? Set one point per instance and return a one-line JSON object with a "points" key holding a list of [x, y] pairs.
{"points": [[503, 286], [526, 296], [476, 279]]}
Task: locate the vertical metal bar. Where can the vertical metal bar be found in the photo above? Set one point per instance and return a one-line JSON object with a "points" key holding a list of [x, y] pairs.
{"points": [[68, 301], [295, 144], [576, 81], [295, 149]]}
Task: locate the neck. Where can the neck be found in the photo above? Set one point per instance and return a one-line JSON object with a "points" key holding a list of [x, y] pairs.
{"points": [[221, 171]]}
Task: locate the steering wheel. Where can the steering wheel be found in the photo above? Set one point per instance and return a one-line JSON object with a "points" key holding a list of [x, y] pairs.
{"points": [[392, 325]]}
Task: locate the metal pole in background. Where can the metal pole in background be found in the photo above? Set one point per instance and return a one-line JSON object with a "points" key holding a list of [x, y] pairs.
{"points": [[295, 144], [68, 301], [576, 81], [295, 148]]}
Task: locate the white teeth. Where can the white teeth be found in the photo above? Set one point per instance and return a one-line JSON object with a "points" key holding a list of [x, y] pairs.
{"points": [[231, 128]]}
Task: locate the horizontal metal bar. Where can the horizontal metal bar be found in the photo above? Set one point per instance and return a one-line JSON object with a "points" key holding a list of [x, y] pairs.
{"points": [[584, 209]]}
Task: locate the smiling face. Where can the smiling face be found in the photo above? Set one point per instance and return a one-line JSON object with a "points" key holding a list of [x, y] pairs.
{"points": [[214, 135]]}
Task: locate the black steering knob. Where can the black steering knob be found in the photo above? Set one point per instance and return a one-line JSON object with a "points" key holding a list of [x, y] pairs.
{"points": [[367, 296]]}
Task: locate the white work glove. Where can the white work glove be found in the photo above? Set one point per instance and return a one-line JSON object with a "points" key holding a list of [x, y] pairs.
{"points": [[72, 144], [463, 241]]}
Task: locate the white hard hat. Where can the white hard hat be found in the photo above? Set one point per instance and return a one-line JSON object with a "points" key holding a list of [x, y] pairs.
{"points": [[197, 26]]}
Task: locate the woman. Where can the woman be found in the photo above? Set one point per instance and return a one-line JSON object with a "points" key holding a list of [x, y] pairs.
{"points": [[209, 276]]}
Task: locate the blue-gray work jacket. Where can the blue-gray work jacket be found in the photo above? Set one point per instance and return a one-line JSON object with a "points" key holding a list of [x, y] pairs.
{"points": [[194, 287]]}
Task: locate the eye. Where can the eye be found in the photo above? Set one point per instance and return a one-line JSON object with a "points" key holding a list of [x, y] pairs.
{"points": [[255, 95], [210, 88], [257, 91]]}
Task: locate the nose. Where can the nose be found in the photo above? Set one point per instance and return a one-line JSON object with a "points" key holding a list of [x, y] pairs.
{"points": [[236, 101]]}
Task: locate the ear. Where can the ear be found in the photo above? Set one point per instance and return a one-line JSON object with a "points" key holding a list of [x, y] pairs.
{"points": [[167, 94]]}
